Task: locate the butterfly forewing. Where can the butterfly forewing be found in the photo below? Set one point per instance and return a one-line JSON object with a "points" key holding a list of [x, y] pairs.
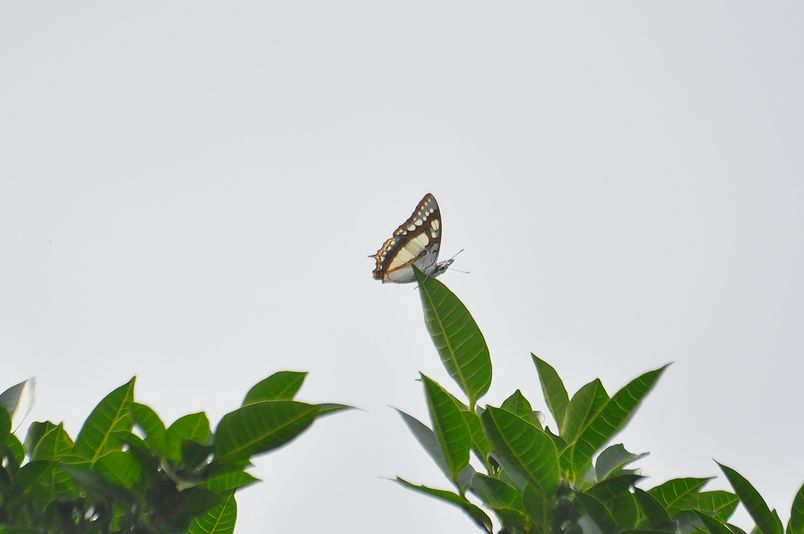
{"points": [[416, 241]]}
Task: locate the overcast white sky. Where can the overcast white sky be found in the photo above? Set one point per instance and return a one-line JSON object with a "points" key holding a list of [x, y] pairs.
{"points": [[189, 191]]}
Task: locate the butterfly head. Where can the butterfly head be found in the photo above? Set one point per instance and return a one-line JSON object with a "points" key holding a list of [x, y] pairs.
{"points": [[441, 267]]}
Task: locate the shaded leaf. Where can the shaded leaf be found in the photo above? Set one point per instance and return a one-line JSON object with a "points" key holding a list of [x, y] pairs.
{"points": [[120, 468], [598, 512], [476, 514], [714, 525], [279, 386], [613, 459], [456, 336], [495, 493], [191, 427], [151, 425], [753, 501], [480, 442], [796, 523], [652, 509]]}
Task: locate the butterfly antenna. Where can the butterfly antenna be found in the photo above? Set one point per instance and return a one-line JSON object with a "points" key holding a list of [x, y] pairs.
{"points": [[459, 271], [456, 255]]}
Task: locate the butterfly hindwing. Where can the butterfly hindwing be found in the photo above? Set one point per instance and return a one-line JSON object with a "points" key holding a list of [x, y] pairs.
{"points": [[416, 241]]}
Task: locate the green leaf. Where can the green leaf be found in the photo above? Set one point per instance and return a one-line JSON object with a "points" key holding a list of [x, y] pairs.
{"points": [[537, 505], [480, 442], [35, 433], [448, 426], [476, 514], [495, 493], [119, 468], [598, 512], [260, 427], [229, 481], [110, 415], [11, 398], [720, 504], [191, 427], [674, 493], [279, 386], [585, 404], [652, 509], [714, 525], [456, 336], [796, 523], [555, 394], [753, 501], [15, 448], [518, 404], [328, 408], [29, 474], [218, 520], [151, 425], [54, 444], [611, 418], [5, 424], [525, 451], [612, 460]]}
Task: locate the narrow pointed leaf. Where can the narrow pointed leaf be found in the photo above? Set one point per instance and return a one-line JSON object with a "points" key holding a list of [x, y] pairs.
{"points": [[611, 418], [555, 394], [674, 493], [329, 408], [719, 504], [110, 415], [456, 336], [585, 404], [525, 451], [796, 523], [714, 525], [480, 443], [218, 520], [279, 386], [652, 509], [261, 427], [752, 500], [449, 427], [476, 514]]}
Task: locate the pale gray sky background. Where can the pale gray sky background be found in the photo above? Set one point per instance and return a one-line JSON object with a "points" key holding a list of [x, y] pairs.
{"points": [[189, 191]]}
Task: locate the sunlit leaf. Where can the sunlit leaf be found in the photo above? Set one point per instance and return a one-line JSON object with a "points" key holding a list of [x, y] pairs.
{"points": [[111, 414], [674, 493], [279, 386], [718, 503], [525, 451], [518, 404], [585, 404], [456, 336], [555, 394]]}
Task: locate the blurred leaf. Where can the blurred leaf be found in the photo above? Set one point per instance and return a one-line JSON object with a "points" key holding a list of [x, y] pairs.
{"points": [[52, 445], [456, 336], [796, 523], [11, 398], [478, 516], [613, 459], [525, 451], [537, 505], [675, 492], [191, 427], [328, 408], [495, 493], [229, 481], [480, 442], [218, 520], [29, 474], [513, 518], [611, 418], [585, 404], [555, 394], [519, 405], [597, 511], [36, 430], [279, 386], [15, 448], [151, 425], [652, 509], [752, 500], [260, 427], [720, 504], [449, 427], [5, 424], [111, 414], [120, 468], [714, 525]]}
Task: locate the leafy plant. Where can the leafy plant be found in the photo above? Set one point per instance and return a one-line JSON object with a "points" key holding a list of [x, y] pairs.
{"points": [[560, 477], [126, 471]]}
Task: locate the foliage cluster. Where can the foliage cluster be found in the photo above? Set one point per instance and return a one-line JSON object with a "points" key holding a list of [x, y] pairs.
{"points": [[126, 471], [549, 479]]}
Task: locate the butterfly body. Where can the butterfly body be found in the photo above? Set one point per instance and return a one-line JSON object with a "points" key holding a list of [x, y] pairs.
{"points": [[415, 242]]}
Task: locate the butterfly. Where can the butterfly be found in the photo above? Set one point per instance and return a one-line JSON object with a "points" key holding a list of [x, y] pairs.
{"points": [[416, 242]]}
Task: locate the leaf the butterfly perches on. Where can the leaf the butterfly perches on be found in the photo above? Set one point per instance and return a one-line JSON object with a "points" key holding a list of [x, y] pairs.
{"points": [[417, 242]]}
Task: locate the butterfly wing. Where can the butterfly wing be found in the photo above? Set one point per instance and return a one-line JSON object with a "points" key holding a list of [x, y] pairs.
{"points": [[416, 242]]}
